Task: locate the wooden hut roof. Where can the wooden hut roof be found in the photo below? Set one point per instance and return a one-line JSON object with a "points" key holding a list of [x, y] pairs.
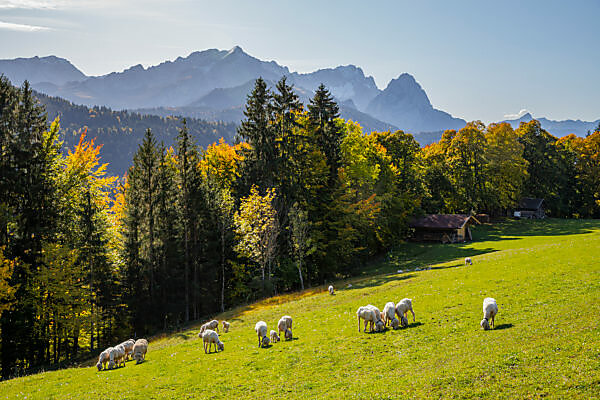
{"points": [[443, 221], [529, 203]]}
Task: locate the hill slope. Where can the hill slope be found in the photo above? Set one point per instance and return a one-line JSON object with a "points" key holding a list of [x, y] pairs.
{"points": [[121, 132], [544, 275]]}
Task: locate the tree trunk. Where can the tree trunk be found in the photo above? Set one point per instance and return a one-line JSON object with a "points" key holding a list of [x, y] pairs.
{"points": [[186, 270], [300, 273], [223, 268]]}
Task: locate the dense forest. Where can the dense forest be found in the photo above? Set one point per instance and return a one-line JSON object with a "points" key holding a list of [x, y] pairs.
{"points": [[121, 132], [305, 197]]}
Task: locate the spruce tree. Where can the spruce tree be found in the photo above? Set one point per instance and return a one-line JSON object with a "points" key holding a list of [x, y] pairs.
{"points": [[257, 130], [322, 113]]}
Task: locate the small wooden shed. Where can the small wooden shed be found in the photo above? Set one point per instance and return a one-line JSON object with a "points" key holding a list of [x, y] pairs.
{"points": [[445, 228], [530, 208]]}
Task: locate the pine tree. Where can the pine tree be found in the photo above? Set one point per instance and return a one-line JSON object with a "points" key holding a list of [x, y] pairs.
{"points": [[322, 113], [257, 130]]}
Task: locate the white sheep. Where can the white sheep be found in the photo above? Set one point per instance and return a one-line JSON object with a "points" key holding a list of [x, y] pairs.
{"points": [[370, 317], [403, 321], [261, 331], [379, 325], [128, 345], [225, 326], [490, 309], [103, 359], [377, 312], [274, 336], [389, 312], [285, 325], [212, 325], [139, 350], [116, 357], [330, 288], [210, 337], [404, 307], [468, 261]]}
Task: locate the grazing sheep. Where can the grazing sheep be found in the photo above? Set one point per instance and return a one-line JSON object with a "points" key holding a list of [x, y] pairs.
{"points": [[379, 325], [284, 325], [330, 288], [212, 325], [210, 337], [261, 331], [116, 357], [468, 261], [370, 317], [288, 319], [103, 359], [377, 312], [128, 345], [490, 309], [394, 322], [139, 350], [404, 307], [274, 336], [389, 311], [225, 326], [404, 321]]}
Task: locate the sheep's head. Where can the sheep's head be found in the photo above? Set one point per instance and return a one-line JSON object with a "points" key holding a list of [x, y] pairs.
{"points": [[395, 323], [404, 321], [379, 325], [265, 340], [288, 334], [485, 324], [99, 366], [221, 346], [137, 357]]}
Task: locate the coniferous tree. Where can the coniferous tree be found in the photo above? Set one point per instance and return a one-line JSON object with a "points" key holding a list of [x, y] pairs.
{"points": [[322, 113], [257, 130]]}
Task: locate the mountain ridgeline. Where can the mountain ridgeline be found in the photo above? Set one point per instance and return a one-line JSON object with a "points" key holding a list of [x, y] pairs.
{"points": [[212, 85], [121, 132]]}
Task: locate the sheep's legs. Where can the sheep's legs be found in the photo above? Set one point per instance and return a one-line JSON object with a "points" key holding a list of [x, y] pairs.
{"points": [[492, 322], [413, 313]]}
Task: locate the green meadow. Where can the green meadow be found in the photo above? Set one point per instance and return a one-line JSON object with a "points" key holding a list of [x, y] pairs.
{"points": [[545, 276]]}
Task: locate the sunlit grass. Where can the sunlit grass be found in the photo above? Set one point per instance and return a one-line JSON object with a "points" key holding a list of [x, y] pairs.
{"points": [[545, 276]]}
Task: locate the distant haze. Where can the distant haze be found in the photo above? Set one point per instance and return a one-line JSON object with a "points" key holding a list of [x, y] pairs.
{"points": [[475, 59]]}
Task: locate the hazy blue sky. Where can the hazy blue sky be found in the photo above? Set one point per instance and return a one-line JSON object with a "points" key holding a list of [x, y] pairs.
{"points": [[477, 59]]}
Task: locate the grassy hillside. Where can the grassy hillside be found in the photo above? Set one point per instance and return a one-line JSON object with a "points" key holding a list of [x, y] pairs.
{"points": [[545, 276]]}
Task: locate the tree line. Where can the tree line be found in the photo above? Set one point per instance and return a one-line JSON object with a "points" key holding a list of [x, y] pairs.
{"points": [[302, 198]]}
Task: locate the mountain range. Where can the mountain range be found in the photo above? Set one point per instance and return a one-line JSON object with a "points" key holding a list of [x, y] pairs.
{"points": [[213, 85]]}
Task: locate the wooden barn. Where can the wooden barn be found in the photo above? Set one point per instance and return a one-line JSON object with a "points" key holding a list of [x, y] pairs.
{"points": [[445, 228], [530, 208]]}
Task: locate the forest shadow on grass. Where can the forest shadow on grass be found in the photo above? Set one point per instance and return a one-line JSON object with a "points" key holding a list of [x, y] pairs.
{"points": [[184, 335], [377, 281], [535, 227], [423, 255]]}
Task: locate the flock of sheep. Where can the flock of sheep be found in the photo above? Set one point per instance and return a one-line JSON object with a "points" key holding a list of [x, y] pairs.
{"points": [[394, 315], [378, 320], [116, 356]]}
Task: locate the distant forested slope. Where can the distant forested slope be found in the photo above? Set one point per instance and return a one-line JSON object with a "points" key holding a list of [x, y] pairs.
{"points": [[121, 132]]}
